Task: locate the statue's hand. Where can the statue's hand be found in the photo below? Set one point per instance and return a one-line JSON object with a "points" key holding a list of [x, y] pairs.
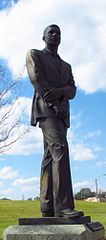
{"points": [[52, 94]]}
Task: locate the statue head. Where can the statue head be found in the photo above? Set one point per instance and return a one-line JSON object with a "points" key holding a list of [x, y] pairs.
{"points": [[52, 35]]}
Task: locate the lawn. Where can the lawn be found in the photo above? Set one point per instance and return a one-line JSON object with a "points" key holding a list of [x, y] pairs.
{"points": [[11, 211]]}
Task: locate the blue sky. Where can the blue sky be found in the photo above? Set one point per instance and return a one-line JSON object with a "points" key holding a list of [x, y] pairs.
{"points": [[83, 45]]}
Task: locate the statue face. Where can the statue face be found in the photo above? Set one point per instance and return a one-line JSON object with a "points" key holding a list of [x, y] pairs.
{"points": [[52, 36]]}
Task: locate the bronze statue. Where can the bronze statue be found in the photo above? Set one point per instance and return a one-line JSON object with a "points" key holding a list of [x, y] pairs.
{"points": [[54, 86]]}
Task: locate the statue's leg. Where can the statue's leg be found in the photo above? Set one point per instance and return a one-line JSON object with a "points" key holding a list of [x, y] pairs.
{"points": [[54, 132], [46, 186]]}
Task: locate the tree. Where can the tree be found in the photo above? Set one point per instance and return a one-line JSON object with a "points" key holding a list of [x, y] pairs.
{"points": [[102, 194], [10, 117], [29, 199], [37, 198], [84, 193]]}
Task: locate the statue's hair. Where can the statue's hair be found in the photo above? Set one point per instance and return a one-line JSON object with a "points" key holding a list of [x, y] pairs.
{"points": [[45, 30]]}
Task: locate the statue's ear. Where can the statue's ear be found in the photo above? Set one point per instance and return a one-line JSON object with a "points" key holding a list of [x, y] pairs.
{"points": [[43, 38]]}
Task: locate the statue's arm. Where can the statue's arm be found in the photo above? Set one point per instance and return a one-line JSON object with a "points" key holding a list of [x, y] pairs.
{"points": [[66, 92], [35, 72], [69, 91]]}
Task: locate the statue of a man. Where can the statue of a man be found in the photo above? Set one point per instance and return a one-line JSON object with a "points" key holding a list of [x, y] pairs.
{"points": [[54, 86]]}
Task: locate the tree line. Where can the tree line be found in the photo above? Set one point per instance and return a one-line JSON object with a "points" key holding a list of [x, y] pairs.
{"points": [[85, 193]]}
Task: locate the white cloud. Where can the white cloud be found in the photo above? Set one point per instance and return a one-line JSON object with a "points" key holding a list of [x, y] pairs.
{"points": [[20, 106], [17, 119], [28, 144], [8, 173], [1, 183], [80, 152], [84, 37], [2, 159], [22, 27], [6, 192], [82, 184], [101, 164], [31, 142], [102, 34], [94, 134], [28, 184], [92, 75], [83, 145], [26, 181]]}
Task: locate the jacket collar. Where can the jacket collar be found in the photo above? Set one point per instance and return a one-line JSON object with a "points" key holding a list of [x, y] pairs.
{"points": [[48, 52]]}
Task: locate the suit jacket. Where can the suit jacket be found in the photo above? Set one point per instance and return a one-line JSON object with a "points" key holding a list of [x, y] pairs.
{"points": [[46, 71]]}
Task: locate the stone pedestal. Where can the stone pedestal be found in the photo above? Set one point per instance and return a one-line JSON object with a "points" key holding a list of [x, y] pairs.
{"points": [[89, 231]]}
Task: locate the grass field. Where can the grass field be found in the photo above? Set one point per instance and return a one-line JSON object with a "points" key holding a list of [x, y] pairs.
{"points": [[11, 211]]}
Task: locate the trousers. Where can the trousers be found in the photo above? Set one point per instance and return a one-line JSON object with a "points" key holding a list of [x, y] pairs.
{"points": [[55, 181]]}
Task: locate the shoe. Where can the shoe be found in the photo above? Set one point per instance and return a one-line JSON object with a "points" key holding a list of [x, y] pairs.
{"points": [[69, 213], [47, 214]]}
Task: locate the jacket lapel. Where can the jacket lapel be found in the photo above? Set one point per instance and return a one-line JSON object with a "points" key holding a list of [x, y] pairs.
{"points": [[55, 60]]}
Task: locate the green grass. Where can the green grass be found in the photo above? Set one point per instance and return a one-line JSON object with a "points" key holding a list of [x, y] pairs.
{"points": [[11, 211], [97, 211]]}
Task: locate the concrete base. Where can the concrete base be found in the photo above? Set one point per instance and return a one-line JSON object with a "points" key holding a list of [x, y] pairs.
{"points": [[53, 232]]}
